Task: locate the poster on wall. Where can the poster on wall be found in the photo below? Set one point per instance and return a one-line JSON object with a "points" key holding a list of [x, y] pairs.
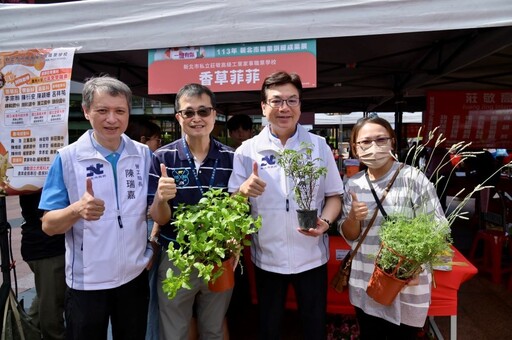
{"points": [[232, 67], [483, 118], [34, 108]]}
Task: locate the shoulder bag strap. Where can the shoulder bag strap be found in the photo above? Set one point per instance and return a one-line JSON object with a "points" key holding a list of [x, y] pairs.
{"points": [[379, 204], [370, 224]]}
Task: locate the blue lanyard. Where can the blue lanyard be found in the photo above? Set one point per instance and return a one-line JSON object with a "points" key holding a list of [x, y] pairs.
{"points": [[194, 170]]}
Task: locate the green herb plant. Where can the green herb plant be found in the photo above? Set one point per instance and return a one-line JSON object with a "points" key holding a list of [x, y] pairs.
{"points": [[421, 239], [208, 233], [304, 172]]}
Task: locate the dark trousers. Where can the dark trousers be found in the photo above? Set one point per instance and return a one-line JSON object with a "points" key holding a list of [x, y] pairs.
{"points": [[372, 327], [311, 293], [47, 309], [88, 311]]}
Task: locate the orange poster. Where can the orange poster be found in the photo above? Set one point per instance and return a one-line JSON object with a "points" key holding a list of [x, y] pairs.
{"points": [[34, 107]]}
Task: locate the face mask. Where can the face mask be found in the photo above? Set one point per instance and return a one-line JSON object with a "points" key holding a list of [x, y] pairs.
{"points": [[375, 156]]}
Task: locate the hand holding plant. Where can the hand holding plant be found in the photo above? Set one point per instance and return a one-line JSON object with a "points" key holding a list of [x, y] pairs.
{"points": [[208, 233]]}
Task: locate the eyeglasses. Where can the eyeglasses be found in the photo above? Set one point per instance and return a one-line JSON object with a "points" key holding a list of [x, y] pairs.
{"points": [[367, 143], [278, 102], [201, 112]]}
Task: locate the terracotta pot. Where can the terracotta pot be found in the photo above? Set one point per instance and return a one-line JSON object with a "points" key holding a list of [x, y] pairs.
{"points": [[226, 281], [307, 218], [384, 287]]}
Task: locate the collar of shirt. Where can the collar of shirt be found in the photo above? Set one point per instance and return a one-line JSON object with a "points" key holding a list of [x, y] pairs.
{"points": [[292, 140], [213, 152], [104, 151]]}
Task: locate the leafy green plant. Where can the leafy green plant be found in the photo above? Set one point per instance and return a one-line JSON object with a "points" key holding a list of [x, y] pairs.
{"points": [[208, 233], [418, 241], [304, 172]]}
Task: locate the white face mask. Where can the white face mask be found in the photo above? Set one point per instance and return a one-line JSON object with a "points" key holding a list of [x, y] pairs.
{"points": [[375, 156]]}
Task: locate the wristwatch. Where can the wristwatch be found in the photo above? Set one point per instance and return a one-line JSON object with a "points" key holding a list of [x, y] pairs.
{"points": [[326, 221]]}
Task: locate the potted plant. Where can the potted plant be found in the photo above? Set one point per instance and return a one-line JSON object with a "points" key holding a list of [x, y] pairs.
{"points": [[407, 244], [209, 234], [305, 172], [411, 244]]}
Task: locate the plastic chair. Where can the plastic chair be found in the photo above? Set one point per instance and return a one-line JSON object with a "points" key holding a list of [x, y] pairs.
{"points": [[494, 238]]}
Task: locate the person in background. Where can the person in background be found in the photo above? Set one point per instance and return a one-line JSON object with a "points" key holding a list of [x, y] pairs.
{"points": [[45, 256], [281, 252], [372, 142], [149, 133], [240, 129], [146, 132], [180, 173], [95, 194]]}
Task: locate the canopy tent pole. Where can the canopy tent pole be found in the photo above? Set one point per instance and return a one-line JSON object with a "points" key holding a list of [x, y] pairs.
{"points": [[399, 103]]}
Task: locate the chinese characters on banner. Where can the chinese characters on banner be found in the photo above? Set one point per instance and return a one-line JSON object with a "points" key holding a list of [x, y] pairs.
{"points": [[34, 105], [483, 118], [233, 67]]}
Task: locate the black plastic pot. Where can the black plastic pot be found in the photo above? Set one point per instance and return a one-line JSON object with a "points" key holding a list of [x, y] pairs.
{"points": [[307, 218]]}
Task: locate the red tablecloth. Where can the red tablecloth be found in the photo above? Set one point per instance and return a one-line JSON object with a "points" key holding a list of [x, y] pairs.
{"points": [[444, 295]]}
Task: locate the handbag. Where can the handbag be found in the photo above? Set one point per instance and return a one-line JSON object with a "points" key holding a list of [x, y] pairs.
{"points": [[340, 279]]}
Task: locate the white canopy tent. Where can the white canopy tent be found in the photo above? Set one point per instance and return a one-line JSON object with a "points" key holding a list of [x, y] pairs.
{"points": [[371, 54], [115, 25], [353, 117]]}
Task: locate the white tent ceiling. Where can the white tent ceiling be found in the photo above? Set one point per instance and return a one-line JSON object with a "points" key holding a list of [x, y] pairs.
{"points": [[119, 25], [372, 55]]}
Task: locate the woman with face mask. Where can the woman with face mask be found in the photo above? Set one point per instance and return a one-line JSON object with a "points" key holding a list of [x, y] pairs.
{"points": [[373, 141]]}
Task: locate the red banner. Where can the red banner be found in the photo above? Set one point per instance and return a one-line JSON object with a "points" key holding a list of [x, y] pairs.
{"points": [[483, 118], [229, 68]]}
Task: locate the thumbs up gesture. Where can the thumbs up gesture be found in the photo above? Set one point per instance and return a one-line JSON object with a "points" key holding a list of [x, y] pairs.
{"points": [[90, 208], [359, 210], [253, 186], [166, 186]]}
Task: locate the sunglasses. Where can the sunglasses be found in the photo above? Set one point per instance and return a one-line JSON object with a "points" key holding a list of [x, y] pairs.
{"points": [[202, 112]]}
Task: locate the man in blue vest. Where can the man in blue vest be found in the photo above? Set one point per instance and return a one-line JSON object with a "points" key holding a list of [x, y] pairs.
{"points": [[95, 194]]}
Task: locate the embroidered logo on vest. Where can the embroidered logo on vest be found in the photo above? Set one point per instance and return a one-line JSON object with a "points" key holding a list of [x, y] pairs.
{"points": [[268, 160], [94, 170]]}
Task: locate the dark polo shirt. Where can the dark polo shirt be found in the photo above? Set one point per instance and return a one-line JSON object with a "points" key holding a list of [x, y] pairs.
{"points": [[213, 173]]}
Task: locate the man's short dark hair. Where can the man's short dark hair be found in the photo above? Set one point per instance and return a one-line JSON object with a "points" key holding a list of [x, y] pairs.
{"points": [[193, 90], [237, 121], [278, 79]]}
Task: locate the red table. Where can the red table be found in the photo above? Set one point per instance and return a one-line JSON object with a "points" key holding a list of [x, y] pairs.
{"points": [[444, 295]]}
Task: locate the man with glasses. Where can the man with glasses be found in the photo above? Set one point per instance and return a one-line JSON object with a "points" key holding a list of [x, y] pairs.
{"points": [[281, 252], [181, 172]]}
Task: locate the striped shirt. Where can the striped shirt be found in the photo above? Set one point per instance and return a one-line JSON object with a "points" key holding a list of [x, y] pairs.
{"points": [[213, 173], [410, 194]]}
